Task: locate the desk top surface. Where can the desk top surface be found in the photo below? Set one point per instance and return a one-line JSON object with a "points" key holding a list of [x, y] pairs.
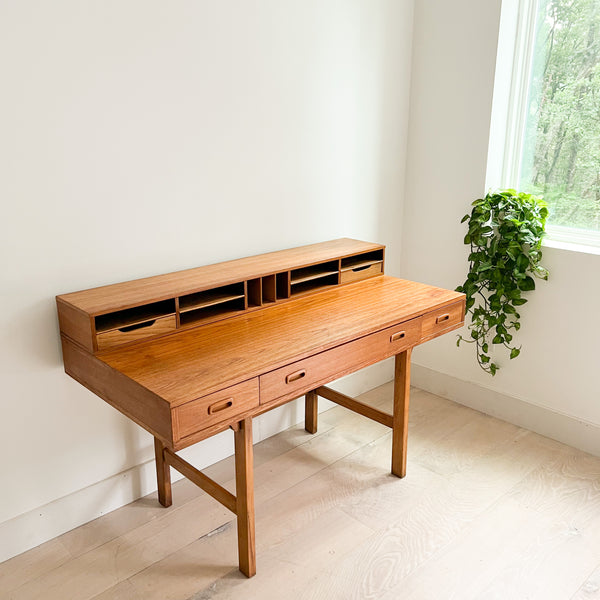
{"points": [[195, 362]]}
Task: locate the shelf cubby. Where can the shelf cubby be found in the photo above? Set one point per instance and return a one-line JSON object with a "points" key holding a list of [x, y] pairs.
{"points": [[212, 312], [212, 304], [360, 261], [314, 272], [283, 285], [314, 277], [269, 291], [254, 292], [314, 283], [214, 297]]}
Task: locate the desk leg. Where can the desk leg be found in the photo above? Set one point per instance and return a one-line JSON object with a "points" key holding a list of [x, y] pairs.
{"points": [[311, 410], [244, 491], [400, 418], [163, 474]]}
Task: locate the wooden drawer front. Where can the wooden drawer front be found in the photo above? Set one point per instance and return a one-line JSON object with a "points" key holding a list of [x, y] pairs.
{"points": [[212, 409], [120, 336], [361, 273], [302, 376], [442, 320]]}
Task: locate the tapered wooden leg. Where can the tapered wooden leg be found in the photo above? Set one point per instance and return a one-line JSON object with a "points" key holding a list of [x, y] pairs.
{"points": [[400, 417], [311, 409], [244, 490], [163, 474]]}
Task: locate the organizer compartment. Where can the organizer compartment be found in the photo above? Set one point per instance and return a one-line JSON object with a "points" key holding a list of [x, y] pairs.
{"points": [[96, 324], [135, 323], [269, 293], [212, 304], [314, 284], [212, 312], [254, 292], [283, 285], [314, 277], [361, 266], [139, 331], [134, 316]]}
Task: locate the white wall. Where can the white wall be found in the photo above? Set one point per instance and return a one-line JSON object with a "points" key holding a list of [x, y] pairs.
{"points": [[142, 136], [552, 386]]}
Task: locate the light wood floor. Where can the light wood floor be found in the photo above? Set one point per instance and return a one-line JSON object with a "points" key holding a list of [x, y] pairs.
{"points": [[488, 510]]}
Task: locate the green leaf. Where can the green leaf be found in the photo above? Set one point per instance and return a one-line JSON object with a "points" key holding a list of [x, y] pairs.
{"points": [[504, 231], [514, 353], [527, 284]]}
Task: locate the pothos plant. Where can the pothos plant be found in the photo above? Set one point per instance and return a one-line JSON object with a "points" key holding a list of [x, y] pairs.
{"points": [[505, 236]]}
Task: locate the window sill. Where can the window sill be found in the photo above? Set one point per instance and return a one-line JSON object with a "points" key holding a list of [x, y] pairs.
{"points": [[550, 242]]}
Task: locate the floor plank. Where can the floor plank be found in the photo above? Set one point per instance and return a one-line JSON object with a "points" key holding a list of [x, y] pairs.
{"points": [[487, 510]]}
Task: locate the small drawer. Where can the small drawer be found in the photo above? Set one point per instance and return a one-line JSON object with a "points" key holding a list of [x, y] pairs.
{"points": [[217, 407], [359, 273], [135, 332], [442, 320], [302, 376]]}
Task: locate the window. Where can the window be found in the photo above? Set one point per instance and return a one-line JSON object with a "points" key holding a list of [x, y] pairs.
{"points": [[551, 111]]}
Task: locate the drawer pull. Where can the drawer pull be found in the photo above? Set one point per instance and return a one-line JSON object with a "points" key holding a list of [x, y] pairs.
{"points": [[295, 376], [397, 336], [357, 269], [442, 318], [219, 406]]}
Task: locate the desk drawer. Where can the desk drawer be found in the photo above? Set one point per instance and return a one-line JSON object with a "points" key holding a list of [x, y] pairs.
{"points": [[212, 409], [361, 272], [444, 319], [302, 376], [160, 326]]}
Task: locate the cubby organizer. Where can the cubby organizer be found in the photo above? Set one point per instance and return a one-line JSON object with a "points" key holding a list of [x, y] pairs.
{"points": [[219, 302], [205, 294]]}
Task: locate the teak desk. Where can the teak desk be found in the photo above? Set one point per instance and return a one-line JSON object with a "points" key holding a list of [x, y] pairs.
{"points": [[189, 354]]}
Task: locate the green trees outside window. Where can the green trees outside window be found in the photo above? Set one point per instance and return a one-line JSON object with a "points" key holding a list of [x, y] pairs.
{"points": [[561, 151]]}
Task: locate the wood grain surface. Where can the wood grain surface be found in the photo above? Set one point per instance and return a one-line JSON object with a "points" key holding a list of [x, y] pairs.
{"points": [[488, 510], [190, 364]]}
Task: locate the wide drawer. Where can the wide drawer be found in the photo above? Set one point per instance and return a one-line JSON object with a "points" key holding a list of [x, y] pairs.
{"points": [[442, 320], [217, 407], [136, 332], [299, 377]]}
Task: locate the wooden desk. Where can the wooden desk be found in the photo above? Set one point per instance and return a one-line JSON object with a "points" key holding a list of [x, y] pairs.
{"points": [[190, 354]]}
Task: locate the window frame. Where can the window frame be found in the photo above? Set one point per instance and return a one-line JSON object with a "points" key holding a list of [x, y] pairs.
{"points": [[509, 111]]}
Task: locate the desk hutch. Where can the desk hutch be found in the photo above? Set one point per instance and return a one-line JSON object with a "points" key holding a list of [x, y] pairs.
{"points": [[189, 354]]}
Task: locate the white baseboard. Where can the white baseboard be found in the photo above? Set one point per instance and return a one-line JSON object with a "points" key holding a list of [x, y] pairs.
{"points": [[59, 516], [35, 527], [564, 428]]}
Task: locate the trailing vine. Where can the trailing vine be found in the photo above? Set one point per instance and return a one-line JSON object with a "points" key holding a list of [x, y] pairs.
{"points": [[505, 236]]}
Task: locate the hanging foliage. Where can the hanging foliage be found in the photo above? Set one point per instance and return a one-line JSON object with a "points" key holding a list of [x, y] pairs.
{"points": [[505, 237]]}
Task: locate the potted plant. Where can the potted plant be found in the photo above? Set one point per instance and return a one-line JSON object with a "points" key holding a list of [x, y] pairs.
{"points": [[505, 236]]}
